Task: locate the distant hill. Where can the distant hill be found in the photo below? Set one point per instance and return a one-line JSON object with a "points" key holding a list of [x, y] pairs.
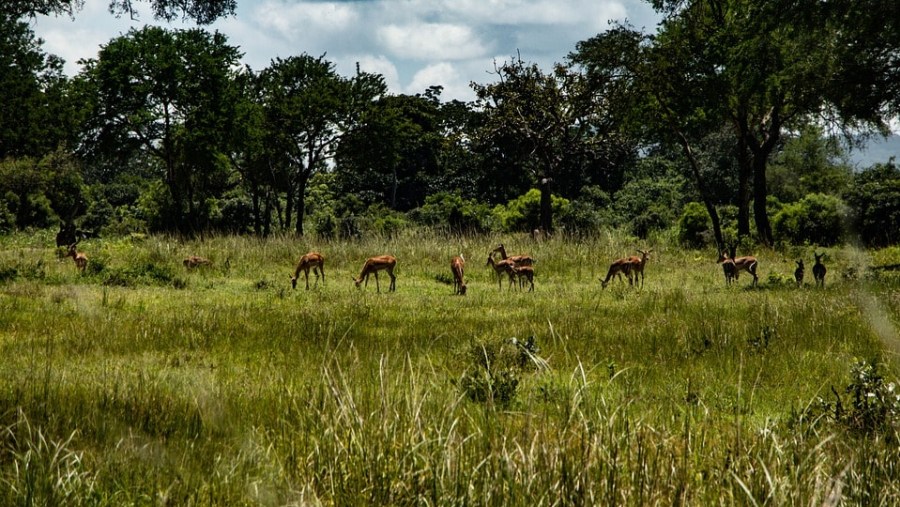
{"points": [[878, 151]]}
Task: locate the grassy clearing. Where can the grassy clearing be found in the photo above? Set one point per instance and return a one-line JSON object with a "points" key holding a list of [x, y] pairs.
{"points": [[143, 383]]}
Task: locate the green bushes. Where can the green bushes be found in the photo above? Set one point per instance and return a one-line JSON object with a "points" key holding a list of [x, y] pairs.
{"points": [[694, 225], [874, 198], [815, 219]]}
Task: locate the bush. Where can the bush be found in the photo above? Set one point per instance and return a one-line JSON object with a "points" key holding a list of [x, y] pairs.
{"points": [[650, 204], [694, 225], [452, 212], [523, 214], [495, 369], [816, 219], [874, 199], [874, 405], [589, 212]]}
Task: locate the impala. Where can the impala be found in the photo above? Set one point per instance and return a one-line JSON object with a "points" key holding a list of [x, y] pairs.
{"points": [[518, 260], [374, 265], [457, 264], [194, 261], [80, 258], [638, 263], [314, 261], [618, 267], [819, 270], [748, 264], [526, 273], [730, 271], [798, 273], [501, 267]]}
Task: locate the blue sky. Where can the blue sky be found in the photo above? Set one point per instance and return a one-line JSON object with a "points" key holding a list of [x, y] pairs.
{"points": [[412, 43]]}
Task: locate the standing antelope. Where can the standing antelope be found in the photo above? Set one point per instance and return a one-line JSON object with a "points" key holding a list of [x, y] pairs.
{"points": [[194, 261], [518, 260], [637, 265], [618, 267], [748, 264], [456, 265], [819, 270], [526, 272], [798, 273], [500, 267], [374, 265], [730, 270], [80, 258], [313, 260]]}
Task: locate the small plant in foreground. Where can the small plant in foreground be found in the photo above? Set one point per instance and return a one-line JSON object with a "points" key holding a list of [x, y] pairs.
{"points": [[874, 405], [495, 369]]}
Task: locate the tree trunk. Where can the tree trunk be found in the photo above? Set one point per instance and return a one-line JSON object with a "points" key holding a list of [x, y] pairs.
{"points": [[546, 206], [301, 202], [745, 172], [760, 194], [704, 192]]}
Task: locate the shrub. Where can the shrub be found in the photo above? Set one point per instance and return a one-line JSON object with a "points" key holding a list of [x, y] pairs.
{"points": [[649, 204], [873, 405], [451, 211], [694, 225], [495, 369], [817, 218], [524, 212], [874, 199]]}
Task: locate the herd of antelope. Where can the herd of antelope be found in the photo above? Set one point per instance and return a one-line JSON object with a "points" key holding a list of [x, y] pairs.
{"points": [[519, 269]]}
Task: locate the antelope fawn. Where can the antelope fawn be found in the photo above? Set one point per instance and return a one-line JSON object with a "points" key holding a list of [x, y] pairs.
{"points": [[374, 265], [80, 258], [618, 267], [748, 264], [637, 265], [313, 260], [798, 273], [819, 270], [526, 273], [194, 261], [501, 267], [457, 264]]}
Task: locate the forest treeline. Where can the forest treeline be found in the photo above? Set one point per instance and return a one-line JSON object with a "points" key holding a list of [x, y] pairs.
{"points": [[731, 121]]}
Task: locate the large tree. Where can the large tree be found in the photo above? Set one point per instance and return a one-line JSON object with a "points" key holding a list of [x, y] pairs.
{"points": [[169, 95], [309, 109], [203, 12], [541, 122]]}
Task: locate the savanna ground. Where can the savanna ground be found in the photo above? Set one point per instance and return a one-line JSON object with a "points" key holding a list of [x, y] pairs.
{"points": [[140, 382]]}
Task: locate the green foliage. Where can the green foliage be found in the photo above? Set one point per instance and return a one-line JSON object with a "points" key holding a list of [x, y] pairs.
{"points": [[522, 214], [649, 204], [874, 199], [809, 163], [589, 212], [873, 405], [694, 225], [495, 369], [815, 219], [450, 212]]}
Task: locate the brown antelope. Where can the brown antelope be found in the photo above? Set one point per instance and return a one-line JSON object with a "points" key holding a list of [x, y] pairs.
{"points": [[637, 265], [518, 260], [526, 272], [313, 260], [819, 270], [374, 265], [80, 258], [618, 267], [501, 267], [798, 273], [194, 261], [748, 264], [457, 264], [730, 270]]}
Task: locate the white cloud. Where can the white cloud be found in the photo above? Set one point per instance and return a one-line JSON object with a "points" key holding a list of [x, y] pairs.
{"points": [[296, 19], [379, 65], [456, 86], [430, 41]]}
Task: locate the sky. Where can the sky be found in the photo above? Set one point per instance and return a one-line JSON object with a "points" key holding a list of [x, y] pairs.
{"points": [[414, 44]]}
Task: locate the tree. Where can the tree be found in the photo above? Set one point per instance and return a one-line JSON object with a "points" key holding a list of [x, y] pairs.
{"points": [[542, 123], [169, 95], [309, 110], [203, 12], [37, 113]]}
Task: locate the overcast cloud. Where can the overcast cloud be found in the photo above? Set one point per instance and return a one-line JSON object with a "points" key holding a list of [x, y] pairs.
{"points": [[412, 43]]}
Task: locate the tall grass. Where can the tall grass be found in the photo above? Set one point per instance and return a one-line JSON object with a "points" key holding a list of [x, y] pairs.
{"points": [[222, 386]]}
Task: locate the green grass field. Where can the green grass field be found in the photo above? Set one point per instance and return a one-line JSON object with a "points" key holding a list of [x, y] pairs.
{"points": [[140, 382]]}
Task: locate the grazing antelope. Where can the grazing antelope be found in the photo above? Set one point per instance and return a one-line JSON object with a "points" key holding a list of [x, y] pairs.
{"points": [[80, 258], [748, 264], [819, 270], [456, 266], [618, 267], [730, 271], [798, 273], [374, 265], [637, 265], [501, 267], [526, 272], [313, 260], [194, 261], [518, 260]]}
